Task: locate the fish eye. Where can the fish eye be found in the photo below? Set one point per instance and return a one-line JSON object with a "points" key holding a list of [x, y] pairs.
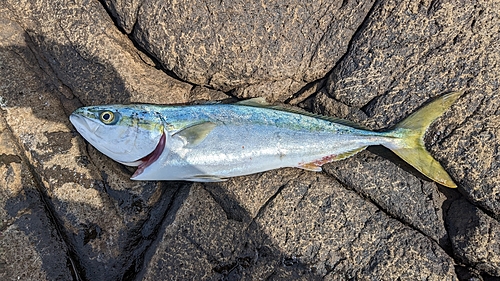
{"points": [[107, 117]]}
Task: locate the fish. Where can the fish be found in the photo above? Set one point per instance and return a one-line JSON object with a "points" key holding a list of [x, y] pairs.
{"points": [[213, 142]]}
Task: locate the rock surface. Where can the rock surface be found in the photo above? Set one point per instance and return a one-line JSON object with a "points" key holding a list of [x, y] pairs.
{"points": [[68, 212], [255, 48]]}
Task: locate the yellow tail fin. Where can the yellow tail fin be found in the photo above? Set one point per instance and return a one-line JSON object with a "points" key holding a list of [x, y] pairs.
{"points": [[410, 139]]}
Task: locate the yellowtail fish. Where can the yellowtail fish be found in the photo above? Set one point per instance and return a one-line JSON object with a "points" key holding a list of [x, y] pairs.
{"points": [[216, 141]]}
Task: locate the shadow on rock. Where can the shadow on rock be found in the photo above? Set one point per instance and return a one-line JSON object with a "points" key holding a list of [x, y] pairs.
{"points": [[106, 225], [106, 222]]}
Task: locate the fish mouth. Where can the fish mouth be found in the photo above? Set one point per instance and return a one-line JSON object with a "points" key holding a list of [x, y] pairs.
{"points": [[149, 159]]}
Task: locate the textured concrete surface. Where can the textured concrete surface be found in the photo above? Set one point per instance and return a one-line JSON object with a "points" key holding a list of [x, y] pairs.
{"points": [[67, 212]]}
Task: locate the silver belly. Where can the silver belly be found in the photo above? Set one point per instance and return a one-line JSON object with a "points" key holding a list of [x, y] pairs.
{"points": [[230, 151]]}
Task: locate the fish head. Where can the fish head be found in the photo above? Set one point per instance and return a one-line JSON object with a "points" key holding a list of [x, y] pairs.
{"points": [[129, 134]]}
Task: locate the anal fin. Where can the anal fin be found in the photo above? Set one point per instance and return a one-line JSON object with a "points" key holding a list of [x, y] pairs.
{"points": [[315, 166], [310, 167], [349, 153]]}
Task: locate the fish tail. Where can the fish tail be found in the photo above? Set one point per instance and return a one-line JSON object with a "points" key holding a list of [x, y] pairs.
{"points": [[408, 142]]}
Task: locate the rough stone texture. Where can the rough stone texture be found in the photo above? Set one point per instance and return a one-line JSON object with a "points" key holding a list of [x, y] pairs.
{"points": [[256, 48], [400, 197], [91, 57], [68, 212], [475, 237], [30, 246], [125, 12], [106, 219], [280, 241], [446, 46]]}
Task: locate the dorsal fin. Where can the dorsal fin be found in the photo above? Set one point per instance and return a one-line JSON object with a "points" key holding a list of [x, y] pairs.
{"points": [[327, 118], [257, 102], [261, 102]]}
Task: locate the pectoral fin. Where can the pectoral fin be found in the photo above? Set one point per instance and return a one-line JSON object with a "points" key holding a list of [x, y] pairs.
{"points": [[195, 134]]}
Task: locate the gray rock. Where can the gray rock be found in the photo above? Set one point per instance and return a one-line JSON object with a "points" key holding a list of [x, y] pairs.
{"points": [[433, 48], [91, 58], [310, 228], [257, 48], [105, 219], [395, 190], [474, 237], [368, 217]]}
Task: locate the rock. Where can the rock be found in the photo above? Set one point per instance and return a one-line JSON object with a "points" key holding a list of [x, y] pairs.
{"points": [[395, 190], [105, 218], [339, 237], [474, 237], [414, 50], [440, 51], [367, 217], [474, 143], [271, 49], [31, 247], [92, 58], [125, 12]]}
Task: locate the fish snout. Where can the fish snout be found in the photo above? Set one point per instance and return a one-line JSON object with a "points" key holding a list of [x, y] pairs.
{"points": [[83, 124]]}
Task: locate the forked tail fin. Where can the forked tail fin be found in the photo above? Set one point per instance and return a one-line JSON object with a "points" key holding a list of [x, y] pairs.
{"points": [[410, 146]]}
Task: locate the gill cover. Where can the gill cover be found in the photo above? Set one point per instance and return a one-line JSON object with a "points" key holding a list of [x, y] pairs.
{"points": [[124, 133]]}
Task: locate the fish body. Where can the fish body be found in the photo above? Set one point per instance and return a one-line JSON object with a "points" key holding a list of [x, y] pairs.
{"points": [[246, 140], [215, 141]]}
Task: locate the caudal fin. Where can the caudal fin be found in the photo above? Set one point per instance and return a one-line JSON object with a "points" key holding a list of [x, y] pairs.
{"points": [[410, 139]]}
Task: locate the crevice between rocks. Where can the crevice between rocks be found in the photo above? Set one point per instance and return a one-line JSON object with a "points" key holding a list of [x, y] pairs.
{"points": [[77, 271], [321, 82], [56, 82], [368, 199], [157, 234], [112, 17], [464, 121], [157, 64], [264, 206]]}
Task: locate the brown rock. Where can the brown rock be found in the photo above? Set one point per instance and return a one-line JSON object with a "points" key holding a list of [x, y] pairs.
{"points": [[435, 55], [310, 227], [31, 248], [105, 219], [92, 58]]}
